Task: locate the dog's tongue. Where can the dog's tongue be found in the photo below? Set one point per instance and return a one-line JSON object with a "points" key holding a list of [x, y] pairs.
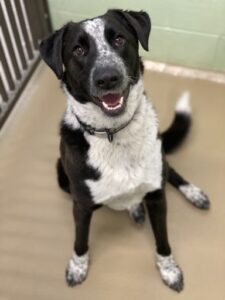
{"points": [[111, 99]]}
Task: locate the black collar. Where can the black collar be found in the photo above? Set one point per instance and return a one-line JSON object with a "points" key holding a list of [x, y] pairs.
{"points": [[108, 131]]}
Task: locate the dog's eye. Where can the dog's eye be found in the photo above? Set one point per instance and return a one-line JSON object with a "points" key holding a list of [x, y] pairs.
{"points": [[79, 51], [119, 41]]}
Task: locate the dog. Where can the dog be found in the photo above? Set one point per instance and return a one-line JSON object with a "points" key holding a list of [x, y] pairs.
{"points": [[111, 150]]}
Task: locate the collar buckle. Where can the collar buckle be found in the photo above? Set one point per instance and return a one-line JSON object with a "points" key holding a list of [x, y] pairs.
{"points": [[109, 135]]}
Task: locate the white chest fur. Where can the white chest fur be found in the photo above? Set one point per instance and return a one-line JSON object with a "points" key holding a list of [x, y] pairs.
{"points": [[131, 166]]}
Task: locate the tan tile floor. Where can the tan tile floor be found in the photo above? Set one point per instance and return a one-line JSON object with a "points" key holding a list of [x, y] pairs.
{"points": [[36, 226]]}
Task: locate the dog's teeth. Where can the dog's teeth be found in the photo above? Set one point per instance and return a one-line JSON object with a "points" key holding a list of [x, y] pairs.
{"points": [[121, 100], [105, 105], [113, 107]]}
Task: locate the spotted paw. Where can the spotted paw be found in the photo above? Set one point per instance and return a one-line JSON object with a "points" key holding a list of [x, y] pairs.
{"points": [[170, 272], [77, 269], [137, 213], [195, 195]]}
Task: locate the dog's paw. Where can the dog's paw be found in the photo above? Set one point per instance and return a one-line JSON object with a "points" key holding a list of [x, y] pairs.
{"points": [[137, 213], [77, 269], [170, 272], [195, 195]]}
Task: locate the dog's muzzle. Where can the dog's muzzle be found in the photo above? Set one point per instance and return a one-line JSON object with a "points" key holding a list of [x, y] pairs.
{"points": [[109, 89]]}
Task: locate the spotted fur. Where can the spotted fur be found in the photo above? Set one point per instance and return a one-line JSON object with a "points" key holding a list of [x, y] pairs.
{"points": [[195, 195], [77, 269], [140, 151], [106, 56], [92, 115], [170, 272], [130, 168], [137, 213]]}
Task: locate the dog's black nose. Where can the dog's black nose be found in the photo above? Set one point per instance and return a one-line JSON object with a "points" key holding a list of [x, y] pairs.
{"points": [[107, 78]]}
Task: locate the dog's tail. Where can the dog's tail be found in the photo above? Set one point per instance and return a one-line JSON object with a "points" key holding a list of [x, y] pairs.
{"points": [[175, 134]]}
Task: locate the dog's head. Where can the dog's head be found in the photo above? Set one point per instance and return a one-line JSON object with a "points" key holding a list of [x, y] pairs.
{"points": [[98, 59]]}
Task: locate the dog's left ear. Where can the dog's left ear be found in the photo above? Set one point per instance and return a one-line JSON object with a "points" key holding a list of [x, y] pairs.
{"points": [[139, 21], [51, 51]]}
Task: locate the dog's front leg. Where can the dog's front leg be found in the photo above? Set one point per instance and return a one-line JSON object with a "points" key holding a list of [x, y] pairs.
{"points": [[77, 269], [169, 270]]}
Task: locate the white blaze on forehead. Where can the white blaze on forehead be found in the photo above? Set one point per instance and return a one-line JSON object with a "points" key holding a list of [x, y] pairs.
{"points": [[96, 29], [106, 55]]}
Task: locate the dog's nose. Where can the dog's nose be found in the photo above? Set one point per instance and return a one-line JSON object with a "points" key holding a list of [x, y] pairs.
{"points": [[105, 78]]}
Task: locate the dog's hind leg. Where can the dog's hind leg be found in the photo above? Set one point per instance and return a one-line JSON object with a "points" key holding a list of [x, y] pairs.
{"points": [[191, 192], [63, 180]]}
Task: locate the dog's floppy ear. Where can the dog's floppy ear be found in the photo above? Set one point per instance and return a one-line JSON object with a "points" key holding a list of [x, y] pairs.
{"points": [[51, 51], [139, 21]]}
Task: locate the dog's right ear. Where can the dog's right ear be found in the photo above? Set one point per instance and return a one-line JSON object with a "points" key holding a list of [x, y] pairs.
{"points": [[51, 51]]}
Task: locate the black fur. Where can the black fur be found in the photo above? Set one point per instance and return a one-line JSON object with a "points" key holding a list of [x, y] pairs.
{"points": [[58, 50], [141, 66], [73, 150], [51, 51], [74, 71], [176, 180], [63, 180], [157, 209], [138, 215], [139, 22], [176, 133]]}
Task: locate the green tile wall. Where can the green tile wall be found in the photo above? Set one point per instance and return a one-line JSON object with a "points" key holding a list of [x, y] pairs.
{"points": [[185, 32]]}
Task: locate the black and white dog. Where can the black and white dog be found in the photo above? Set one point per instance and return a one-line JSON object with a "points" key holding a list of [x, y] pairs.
{"points": [[111, 151]]}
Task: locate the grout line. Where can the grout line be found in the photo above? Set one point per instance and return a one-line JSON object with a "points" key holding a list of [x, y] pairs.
{"points": [[186, 31], [149, 65], [184, 72]]}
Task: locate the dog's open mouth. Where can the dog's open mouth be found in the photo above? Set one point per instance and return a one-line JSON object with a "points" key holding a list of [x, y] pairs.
{"points": [[112, 103]]}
